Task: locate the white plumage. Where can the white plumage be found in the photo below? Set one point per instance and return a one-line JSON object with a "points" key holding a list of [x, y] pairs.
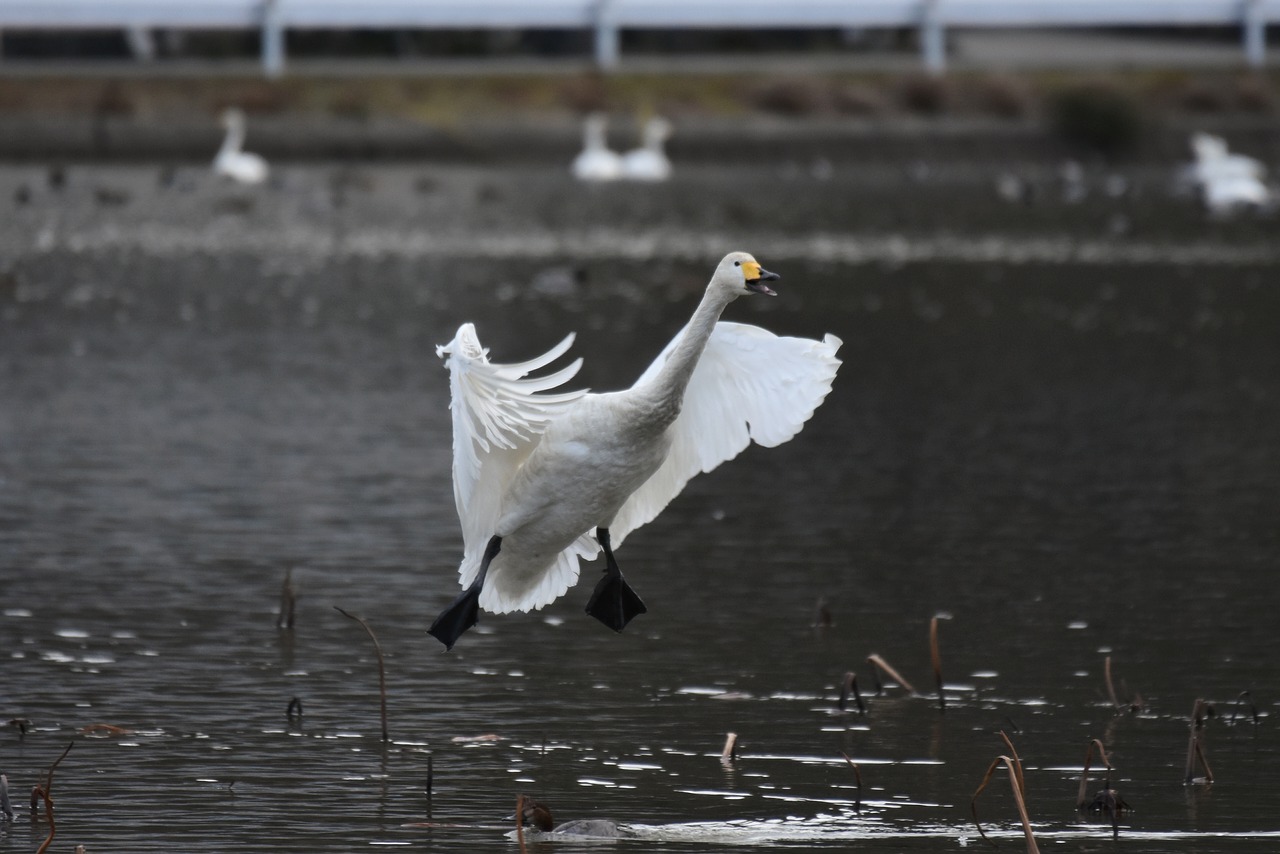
{"points": [[649, 162], [231, 162], [596, 161], [1227, 182], [536, 474]]}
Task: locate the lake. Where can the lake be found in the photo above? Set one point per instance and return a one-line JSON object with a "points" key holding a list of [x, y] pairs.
{"points": [[1055, 428]]}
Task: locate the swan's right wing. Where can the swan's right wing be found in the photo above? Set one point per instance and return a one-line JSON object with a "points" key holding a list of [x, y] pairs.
{"points": [[749, 385], [499, 415]]}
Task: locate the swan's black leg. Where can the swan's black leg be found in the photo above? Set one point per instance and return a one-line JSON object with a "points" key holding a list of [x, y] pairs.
{"points": [[613, 602], [464, 612]]}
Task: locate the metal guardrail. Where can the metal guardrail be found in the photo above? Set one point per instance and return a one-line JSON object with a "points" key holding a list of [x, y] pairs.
{"points": [[608, 17]]}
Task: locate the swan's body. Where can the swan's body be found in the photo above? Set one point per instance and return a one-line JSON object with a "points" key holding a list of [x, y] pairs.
{"points": [[231, 162], [1227, 182], [596, 162], [649, 162], [535, 475]]}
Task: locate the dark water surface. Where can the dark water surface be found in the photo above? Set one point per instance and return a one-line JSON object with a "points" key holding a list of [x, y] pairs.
{"points": [[1070, 461]]}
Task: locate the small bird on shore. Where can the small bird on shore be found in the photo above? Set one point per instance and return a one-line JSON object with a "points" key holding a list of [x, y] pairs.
{"points": [[536, 475], [596, 161], [243, 167]]}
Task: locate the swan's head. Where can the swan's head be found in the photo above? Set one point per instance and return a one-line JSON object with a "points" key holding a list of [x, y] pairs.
{"points": [[232, 117], [741, 274], [657, 129]]}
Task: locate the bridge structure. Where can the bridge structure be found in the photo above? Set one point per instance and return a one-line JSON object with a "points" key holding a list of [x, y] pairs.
{"points": [[606, 19]]}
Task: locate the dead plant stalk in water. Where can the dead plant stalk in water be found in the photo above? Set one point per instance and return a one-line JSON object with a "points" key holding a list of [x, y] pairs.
{"points": [[1017, 783], [878, 663], [382, 671], [45, 793]]}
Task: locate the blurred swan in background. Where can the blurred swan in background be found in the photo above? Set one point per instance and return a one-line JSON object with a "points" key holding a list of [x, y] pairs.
{"points": [[596, 162], [649, 162], [535, 475], [1226, 182], [241, 166]]}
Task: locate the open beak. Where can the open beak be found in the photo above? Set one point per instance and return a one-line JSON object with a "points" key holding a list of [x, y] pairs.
{"points": [[758, 285]]}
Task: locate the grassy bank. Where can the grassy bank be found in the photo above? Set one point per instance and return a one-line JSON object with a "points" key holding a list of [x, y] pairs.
{"points": [[1115, 114]]}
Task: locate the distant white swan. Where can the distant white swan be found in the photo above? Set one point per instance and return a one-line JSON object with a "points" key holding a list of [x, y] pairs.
{"points": [[241, 166], [649, 162], [596, 162], [1227, 182], [535, 475]]}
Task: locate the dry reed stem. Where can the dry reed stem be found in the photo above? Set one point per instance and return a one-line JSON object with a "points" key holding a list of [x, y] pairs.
{"points": [[857, 776], [1014, 767], [520, 823], [880, 663], [1111, 688], [1200, 710], [46, 793], [730, 751], [849, 685], [1236, 705], [1017, 760], [382, 671], [288, 600], [936, 658], [1082, 797]]}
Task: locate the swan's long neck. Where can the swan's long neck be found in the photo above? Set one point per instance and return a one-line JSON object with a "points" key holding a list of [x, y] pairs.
{"points": [[234, 139], [669, 385]]}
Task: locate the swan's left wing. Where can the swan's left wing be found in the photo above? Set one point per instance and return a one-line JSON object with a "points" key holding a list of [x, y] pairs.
{"points": [[749, 385], [499, 415]]}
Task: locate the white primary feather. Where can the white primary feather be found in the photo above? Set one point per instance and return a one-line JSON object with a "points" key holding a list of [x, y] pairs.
{"points": [[545, 471], [750, 385]]}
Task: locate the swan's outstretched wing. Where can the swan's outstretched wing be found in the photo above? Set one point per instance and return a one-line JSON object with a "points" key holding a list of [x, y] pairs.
{"points": [[499, 416], [749, 385]]}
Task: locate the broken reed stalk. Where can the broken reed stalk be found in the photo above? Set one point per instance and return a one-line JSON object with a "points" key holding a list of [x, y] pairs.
{"points": [[288, 599], [936, 657], [1082, 797], [520, 823], [849, 685], [1200, 711], [1236, 706], [46, 793], [1018, 785], [382, 670], [1111, 688], [879, 663], [6, 808], [857, 776], [730, 752]]}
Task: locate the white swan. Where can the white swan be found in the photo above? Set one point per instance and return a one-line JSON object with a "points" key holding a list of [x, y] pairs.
{"points": [[596, 162], [1227, 182], [534, 475], [241, 166], [649, 162]]}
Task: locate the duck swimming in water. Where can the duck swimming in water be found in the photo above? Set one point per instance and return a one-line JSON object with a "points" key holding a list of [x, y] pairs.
{"points": [[536, 475], [538, 815]]}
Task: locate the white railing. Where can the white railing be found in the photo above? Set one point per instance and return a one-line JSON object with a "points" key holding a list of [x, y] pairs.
{"points": [[607, 17]]}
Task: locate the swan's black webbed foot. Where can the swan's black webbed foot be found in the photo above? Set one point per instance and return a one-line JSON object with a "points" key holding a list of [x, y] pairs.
{"points": [[464, 611], [613, 602]]}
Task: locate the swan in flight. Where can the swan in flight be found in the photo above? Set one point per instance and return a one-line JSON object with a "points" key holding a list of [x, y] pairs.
{"points": [[649, 162], [241, 166], [596, 162], [536, 475]]}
